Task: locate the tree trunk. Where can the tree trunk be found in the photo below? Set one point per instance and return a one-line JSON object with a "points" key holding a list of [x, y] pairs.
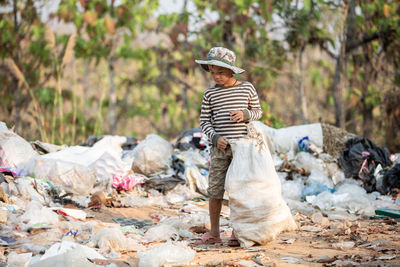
{"points": [[186, 109], [113, 98], [338, 80], [302, 98], [392, 120]]}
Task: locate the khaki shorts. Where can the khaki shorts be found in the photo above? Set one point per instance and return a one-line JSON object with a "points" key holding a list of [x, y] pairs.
{"points": [[220, 161]]}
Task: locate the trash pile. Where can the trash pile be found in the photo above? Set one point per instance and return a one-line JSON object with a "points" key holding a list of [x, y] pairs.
{"points": [[50, 195]]}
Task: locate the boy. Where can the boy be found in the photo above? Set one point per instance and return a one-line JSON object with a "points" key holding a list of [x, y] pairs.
{"points": [[226, 109]]}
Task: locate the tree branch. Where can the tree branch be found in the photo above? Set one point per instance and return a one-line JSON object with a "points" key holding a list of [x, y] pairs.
{"points": [[366, 39]]}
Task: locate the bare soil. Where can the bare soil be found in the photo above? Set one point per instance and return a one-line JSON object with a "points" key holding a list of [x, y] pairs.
{"points": [[376, 243]]}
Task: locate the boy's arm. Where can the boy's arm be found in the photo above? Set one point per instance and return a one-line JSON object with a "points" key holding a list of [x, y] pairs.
{"points": [[205, 121], [254, 111]]}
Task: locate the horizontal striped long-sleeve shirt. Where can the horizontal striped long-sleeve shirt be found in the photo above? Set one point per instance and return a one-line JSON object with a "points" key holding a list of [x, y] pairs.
{"points": [[215, 120]]}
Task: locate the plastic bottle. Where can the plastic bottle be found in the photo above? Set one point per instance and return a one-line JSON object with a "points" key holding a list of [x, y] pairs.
{"points": [[305, 145]]}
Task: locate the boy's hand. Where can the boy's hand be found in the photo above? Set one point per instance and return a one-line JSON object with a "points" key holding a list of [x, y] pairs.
{"points": [[237, 115], [222, 143]]}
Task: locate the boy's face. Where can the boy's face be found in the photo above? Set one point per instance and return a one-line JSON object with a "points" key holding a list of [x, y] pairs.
{"points": [[220, 75]]}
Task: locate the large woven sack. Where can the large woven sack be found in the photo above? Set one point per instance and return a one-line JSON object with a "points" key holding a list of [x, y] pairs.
{"points": [[258, 211]]}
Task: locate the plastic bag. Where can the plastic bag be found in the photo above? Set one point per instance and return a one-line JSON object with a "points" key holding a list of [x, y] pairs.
{"points": [[258, 211], [197, 182], [152, 156], [311, 163], [161, 232], [3, 127], [285, 140], [193, 158], [69, 254], [128, 182], [292, 189], [71, 258], [14, 150], [177, 253], [112, 240], [350, 197], [314, 189], [18, 260], [26, 190], [36, 213], [77, 169]]}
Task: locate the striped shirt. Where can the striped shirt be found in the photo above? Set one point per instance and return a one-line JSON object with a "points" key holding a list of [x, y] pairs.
{"points": [[218, 101]]}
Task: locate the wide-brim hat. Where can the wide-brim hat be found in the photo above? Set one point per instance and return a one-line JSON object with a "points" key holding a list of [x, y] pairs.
{"points": [[220, 56]]}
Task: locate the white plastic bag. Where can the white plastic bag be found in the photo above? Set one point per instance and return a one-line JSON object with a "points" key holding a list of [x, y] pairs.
{"points": [[177, 253], [18, 260], [36, 213], [68, 254], [161, 232], [77, 169], [152, 155], [285, 140], [197, 182], [258, 211], [113, 240], [14, 150]]}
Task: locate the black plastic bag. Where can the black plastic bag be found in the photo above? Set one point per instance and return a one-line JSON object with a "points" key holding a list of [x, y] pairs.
{"points": [[360, 158], [391, 179]]}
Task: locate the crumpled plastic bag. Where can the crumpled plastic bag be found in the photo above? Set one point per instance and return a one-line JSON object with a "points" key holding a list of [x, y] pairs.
{"points": [[113, 240], [152, 156], [14, 150], [69, 254], [285, 140], [177, 253], [78, 169], [36, 213], [18, 260], [197, 182], [258, 211], [161, 232], [128, 182]]}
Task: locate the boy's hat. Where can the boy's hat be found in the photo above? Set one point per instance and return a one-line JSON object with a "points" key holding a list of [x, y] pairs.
{"points": [[220, 56]]}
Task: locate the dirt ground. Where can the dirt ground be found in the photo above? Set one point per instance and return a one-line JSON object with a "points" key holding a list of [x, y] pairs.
{"points": [[376, 242]]}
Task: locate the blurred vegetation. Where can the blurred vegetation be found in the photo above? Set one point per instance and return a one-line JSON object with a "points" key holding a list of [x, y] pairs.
{"points": [[128, 69]]}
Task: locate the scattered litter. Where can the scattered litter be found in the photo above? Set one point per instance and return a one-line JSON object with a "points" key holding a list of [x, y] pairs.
{"points": [[177, 253], [132, 221], [112, 240], [291, 260], [387, 257], [393, 213], [288, 241], [343, 245], [58, 204], [310, 228]]}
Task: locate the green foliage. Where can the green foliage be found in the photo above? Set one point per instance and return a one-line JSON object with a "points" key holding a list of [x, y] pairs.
{"points": [[159, 83]]}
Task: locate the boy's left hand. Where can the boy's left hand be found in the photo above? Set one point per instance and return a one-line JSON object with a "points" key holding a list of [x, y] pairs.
{"points": [[237, 115]]}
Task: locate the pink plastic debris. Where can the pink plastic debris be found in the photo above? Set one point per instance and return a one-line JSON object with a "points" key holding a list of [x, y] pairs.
{"points": [[128, 182]]}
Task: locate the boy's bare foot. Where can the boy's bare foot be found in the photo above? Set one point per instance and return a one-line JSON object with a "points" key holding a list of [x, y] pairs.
{"points": [[233, 242], [208, 239]]}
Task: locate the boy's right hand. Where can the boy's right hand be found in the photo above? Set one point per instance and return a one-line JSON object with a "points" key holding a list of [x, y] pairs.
{"points": [[222, 143]]}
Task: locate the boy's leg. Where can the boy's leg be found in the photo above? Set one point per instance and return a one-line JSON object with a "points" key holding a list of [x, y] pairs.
{"points": [[220, 162], [215, 206]]}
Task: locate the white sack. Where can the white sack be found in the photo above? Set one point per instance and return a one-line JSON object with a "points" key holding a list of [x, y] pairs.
{"points": [[14, 150], [285, 140], [258, 211], [152, 155]]}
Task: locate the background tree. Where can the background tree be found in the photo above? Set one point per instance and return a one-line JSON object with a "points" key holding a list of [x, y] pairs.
{"points": [[134, 73]]}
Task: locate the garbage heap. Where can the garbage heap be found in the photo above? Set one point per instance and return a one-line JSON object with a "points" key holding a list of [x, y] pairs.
{"points": [[49, 194]]}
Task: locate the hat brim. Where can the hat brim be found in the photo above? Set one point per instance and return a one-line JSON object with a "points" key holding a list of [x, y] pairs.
{"points": [[204, 64]]}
